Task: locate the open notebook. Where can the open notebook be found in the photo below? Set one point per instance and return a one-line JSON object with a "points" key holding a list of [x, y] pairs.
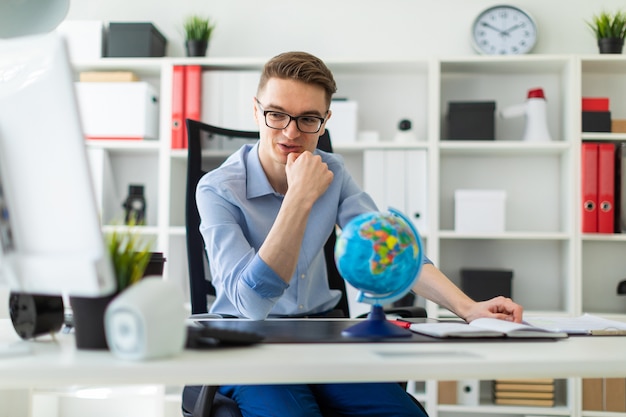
{"points": [[485, 327]]}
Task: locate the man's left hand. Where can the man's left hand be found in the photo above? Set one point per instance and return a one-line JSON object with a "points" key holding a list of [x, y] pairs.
{"points": [[502, 308]]}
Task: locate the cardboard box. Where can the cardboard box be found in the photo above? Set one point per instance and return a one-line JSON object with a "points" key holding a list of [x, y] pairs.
{"points": [[618, 125], [593, 394], [615, 395], [127, 110], [135, 40], [484, 284], [471, 120], [479, 211], [84, 38], [447, 392]]}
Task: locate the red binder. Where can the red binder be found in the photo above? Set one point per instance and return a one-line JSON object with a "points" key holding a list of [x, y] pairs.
{"points": [[606, 188], [178, 107], [193, 96], [589, 189], [620, 188]]}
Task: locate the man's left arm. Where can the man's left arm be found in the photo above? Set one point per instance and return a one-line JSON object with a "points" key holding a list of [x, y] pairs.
{"points": [[435, 286]]}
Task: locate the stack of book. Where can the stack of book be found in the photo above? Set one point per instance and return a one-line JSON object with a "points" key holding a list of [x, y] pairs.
{"points": [[537, 392], [107, 76]]}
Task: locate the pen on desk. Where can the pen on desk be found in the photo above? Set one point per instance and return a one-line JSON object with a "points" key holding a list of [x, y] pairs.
{"points": [[401, 323]]}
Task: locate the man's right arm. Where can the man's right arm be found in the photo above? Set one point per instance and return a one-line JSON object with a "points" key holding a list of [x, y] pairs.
{"points": [[308, 178], [245, 285]]}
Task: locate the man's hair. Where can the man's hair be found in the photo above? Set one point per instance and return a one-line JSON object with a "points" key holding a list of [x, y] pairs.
{"points": [[300, 66]]}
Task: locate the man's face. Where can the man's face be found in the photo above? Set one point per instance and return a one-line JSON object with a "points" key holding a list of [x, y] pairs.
{"points": [[294, 98]]}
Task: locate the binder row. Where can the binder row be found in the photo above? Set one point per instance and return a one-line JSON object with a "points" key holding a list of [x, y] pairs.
{"points": [[603, 180], [186, 101]]}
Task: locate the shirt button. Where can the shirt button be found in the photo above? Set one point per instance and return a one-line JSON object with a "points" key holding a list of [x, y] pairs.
{"points": [[303, 276], [300, 306]]}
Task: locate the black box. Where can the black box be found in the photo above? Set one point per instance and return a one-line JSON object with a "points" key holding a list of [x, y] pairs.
{"points": [[483, 284], [471, 120], [596, 121], [134, 40]]}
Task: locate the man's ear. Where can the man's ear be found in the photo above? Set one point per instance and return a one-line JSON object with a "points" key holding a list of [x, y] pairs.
{"points": [[255, 111], [323, 129]]}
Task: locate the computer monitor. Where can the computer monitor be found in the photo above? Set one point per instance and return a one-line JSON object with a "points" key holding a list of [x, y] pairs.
{"points": [[50, 236]]}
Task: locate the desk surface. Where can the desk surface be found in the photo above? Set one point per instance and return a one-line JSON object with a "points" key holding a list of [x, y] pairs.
{"points": [[58, 363]]}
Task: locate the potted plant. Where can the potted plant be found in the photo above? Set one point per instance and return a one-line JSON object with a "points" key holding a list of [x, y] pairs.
{"points": [[198, 32], [130, 254], [610, 29]]}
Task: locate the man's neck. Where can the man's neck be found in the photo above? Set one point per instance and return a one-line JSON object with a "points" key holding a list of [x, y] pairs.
{"points": [[280, 185], [276, 176]]}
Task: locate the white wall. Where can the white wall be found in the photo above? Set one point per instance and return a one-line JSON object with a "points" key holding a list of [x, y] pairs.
{"points": [[349, 28]]}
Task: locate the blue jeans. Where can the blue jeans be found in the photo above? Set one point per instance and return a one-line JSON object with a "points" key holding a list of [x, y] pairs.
{"points": [[358, 399]]}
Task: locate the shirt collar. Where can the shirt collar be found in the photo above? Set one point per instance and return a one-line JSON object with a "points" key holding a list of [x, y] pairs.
{"points": [[257, 183]]}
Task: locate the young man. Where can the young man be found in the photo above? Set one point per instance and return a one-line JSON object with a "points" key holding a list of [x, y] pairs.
{"points": [[266, 214]]}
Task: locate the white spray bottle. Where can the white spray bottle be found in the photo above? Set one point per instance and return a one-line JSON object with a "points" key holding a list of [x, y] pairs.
{"points": [[536, 116]]}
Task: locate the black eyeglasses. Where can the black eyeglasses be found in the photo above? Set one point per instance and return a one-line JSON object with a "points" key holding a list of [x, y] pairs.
{"points": [[279, 120]]}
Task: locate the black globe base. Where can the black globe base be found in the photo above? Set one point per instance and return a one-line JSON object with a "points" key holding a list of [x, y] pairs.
{"points": [[376, 327]]}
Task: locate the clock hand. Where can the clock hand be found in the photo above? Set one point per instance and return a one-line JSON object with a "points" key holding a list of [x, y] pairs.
{"points": [[487, 25], [511, 29]]}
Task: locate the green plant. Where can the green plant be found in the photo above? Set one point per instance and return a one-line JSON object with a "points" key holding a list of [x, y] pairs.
{"points": [[609, 25], [130, 254], [198, 28]]}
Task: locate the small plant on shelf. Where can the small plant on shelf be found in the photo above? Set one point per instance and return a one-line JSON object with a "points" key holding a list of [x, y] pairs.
{"points": [[198, 31], [610, 30], [198, 28]]}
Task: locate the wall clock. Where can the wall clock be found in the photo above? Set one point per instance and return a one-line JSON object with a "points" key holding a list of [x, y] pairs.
{"points": [[504, 30]]}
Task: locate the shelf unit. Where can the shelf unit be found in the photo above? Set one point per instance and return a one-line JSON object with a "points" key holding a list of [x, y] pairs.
{"points": [[603, 263], [557, 269]]}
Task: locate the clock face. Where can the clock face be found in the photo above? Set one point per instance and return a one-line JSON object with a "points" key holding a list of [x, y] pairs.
{"points": [[504, 30]]}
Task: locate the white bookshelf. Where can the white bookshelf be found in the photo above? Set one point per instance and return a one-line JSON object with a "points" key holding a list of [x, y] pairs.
{"points": [[557, 269]]}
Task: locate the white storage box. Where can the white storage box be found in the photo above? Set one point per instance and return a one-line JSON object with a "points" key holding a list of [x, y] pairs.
{"points": [[342, 124], [126, 110], [84, 38], [479, 211]]}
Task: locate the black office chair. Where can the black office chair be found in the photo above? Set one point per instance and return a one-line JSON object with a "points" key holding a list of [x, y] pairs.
{"points": [[205, 401], [201, 287]]}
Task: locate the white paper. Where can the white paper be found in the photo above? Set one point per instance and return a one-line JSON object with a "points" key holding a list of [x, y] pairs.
{"points": [[585, 324]]}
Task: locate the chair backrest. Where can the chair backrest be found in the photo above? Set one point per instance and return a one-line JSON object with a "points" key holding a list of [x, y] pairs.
{"points": [[200, 285]]}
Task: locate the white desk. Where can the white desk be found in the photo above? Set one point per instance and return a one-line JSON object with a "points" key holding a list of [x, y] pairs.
{"points": [[56, 364]]}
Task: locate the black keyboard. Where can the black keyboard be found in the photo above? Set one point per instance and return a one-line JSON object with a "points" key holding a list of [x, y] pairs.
{"points": [[206, 336]]}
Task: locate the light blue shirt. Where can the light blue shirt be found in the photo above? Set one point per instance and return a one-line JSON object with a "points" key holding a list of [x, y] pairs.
{"points": [[238, 206]]}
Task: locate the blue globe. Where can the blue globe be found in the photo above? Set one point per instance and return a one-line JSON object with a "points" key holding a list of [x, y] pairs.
{"points": [[381, 255]]}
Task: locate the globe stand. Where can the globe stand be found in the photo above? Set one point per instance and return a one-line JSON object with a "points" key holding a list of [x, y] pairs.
{"points": [[376, 326]]}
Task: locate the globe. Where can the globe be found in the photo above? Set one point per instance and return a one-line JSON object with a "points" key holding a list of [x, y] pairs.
{"points": [[380, 254]]}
